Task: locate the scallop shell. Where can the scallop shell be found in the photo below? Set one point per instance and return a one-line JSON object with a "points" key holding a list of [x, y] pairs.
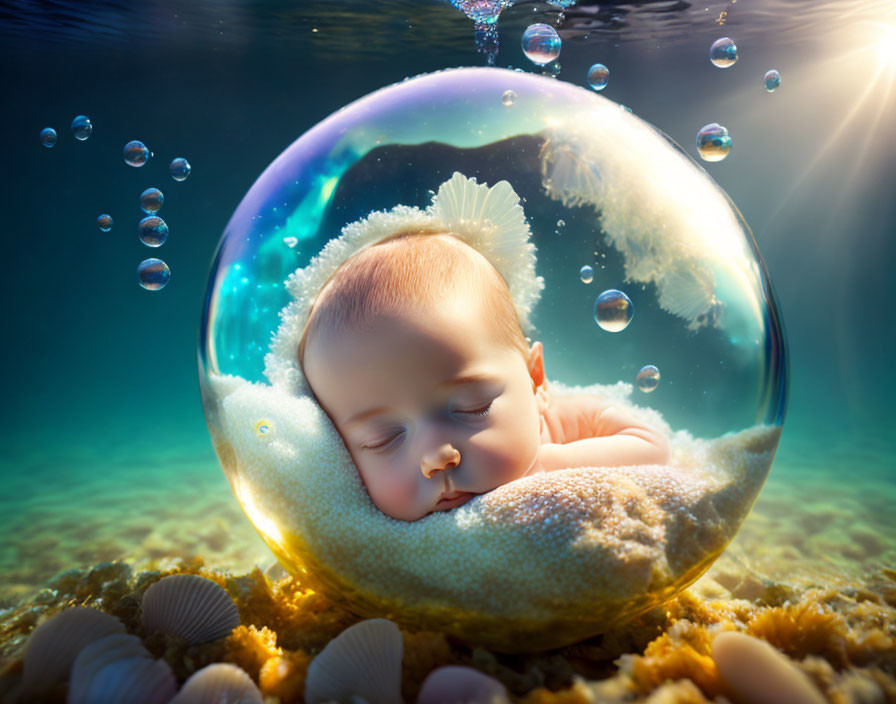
{"points": [[221, 683], [133, 681], [363, 661], [102, 652], [191, 607], [54, 645], [452, 684]]}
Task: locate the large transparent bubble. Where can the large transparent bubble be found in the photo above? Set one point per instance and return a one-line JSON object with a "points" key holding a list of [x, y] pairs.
{"points": [[635, 208]]}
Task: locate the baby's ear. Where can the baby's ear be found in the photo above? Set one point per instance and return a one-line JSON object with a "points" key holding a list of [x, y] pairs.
{"points": [[536, 364]]}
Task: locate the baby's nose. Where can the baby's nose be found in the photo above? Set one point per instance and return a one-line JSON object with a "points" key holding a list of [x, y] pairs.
{"points": [[445, 457]]}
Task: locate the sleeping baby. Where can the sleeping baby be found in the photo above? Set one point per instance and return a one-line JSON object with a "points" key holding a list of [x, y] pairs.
{"points": [[413, 348]]}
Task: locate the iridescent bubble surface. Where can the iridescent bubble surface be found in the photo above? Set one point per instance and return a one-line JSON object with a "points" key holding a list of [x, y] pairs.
{"points": [[81, 127], [508, 98], [723, 52], [179, 169], [151, 200], [598, 76], [541, 44], [135, 153], [567, 153], [648, 378], [105, 222], [713, 142], [48, 136], [153, 274], [772, 80], [613, 310], [152, 231], [586, 274]]}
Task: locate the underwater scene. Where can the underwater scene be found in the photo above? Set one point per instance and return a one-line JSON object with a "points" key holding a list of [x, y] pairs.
{"points": [[262, 444]]}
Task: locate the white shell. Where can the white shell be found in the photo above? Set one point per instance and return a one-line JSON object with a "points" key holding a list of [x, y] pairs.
{"points": [[133, 681], [102, 652], [191, 607], [54, 645], [364, 661], [221, 683], [453, 684], [761, 674]]}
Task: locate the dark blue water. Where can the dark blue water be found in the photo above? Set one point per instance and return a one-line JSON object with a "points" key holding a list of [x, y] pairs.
{"points": [[101, 416]]}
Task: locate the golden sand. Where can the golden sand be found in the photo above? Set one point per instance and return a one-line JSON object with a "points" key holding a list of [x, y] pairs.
{"points": [[815, 577], [843, 638]]}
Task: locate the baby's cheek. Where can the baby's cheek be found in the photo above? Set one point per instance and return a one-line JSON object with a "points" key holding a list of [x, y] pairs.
{"points": [[392, 494]]}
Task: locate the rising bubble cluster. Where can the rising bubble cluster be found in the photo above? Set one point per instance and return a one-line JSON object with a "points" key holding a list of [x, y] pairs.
{"points": [[613, 310], [541, 44], [713, 142], [723, 52]]}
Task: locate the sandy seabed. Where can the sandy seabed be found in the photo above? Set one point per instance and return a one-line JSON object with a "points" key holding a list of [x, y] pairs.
{"points": [[812, 571]]}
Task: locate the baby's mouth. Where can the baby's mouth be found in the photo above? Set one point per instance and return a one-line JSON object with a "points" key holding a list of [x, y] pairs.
{"points": [[453, 499]]}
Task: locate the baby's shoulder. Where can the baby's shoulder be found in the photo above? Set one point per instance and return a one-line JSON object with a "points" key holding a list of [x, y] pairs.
{"points": [[574, 415]]}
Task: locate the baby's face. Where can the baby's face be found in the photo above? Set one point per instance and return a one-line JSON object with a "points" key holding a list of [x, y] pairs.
{"points": [[429, 405]]}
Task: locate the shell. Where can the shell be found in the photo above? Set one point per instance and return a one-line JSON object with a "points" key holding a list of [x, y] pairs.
{"points": [[363, 661], [191, 607], [759, 673], [93, 658], [133, 681], [453, 684], [54, 645], [221, 683]]}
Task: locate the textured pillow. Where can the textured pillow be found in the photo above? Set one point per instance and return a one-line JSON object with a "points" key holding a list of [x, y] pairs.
{"points": [[538, 563]]}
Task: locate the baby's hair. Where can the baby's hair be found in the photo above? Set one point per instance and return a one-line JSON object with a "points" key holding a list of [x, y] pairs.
{"points": [[412, 267]]}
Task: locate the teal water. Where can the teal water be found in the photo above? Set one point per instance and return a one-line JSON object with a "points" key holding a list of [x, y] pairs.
{"points": [[105, 450]]}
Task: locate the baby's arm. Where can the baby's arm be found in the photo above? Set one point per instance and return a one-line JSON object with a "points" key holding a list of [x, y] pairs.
{"points": [[617, 439]]}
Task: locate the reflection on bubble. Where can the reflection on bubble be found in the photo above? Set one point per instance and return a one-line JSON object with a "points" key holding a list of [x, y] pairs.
{"points": [[152, 231], [153, 274], [135, 153], [648, 378], [151, 200], [290, 241], [105, 222], [48, 136], [263, 427], [598, 76], [723, 52], [586, 274], [552, 70], [613, 310], [508, 98], [772, 80], [713, 142], [81, 127], [179, 169], [541, 44]]}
